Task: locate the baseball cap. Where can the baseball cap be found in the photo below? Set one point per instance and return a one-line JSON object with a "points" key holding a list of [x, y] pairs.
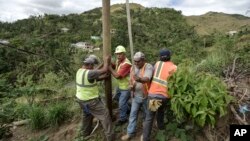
{"points": [[89, 60], [165, 52], [96, 59], [138, 56]]}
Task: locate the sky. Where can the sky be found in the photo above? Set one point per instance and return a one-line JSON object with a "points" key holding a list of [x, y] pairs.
{"points": [[12, 10]]}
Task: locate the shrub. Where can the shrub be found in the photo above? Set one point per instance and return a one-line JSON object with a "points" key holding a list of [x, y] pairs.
{"points": [[199, 96], [38, 117], [58, 113]]}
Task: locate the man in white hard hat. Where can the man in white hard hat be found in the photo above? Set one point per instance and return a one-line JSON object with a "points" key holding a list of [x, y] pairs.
{"points": [[121, 73]]}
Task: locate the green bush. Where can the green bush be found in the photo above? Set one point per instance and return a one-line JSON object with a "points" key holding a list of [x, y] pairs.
{"points": [[215, 61], [22, 111], [198, 96], [6, 116], [37, 116], [58, 113]]}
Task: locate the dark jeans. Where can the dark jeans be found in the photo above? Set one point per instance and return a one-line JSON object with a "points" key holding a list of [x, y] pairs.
{"points": [[148, 123], [95, 108]]}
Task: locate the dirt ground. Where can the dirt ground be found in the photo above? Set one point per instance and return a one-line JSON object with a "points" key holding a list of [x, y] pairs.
{"points": [[66, 132]]}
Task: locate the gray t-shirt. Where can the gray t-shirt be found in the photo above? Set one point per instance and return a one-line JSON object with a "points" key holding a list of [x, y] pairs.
{"points": [[92, 75], [147, 73]]}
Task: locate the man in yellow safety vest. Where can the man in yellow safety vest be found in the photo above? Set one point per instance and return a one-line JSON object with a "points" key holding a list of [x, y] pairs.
{"points": [[121, 73], [87, 94]]}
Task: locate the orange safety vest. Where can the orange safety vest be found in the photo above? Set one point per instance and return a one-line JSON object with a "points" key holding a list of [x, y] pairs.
{"points": [[145, 86], [163, 70]]}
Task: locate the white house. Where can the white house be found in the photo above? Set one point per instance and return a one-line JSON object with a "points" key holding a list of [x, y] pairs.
{"points": [[4, 41], [83, 45], [64, 29], [232, 32]]}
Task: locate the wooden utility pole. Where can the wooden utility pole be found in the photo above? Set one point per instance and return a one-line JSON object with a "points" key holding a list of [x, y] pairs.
{"points": [[107, 49], [130, 31]]}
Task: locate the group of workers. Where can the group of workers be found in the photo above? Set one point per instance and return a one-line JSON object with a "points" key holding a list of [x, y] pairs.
{"points": [[144, 84]]}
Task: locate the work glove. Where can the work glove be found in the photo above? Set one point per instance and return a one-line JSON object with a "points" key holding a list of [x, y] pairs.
{"points": [[154, 104]]}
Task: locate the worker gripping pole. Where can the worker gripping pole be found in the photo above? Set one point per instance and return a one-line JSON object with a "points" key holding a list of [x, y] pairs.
{"points": [[107, 49], [130, 31]]}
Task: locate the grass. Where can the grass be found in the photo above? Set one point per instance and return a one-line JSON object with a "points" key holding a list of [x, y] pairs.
{"points": [[38, 117], [58, 113]]}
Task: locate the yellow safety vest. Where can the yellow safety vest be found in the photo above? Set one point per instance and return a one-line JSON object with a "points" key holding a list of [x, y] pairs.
{"points": [[84, 89], [123, 83]]}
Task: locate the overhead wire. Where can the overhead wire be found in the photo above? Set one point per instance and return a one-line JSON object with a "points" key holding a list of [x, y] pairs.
{"points": [[32, 53]]}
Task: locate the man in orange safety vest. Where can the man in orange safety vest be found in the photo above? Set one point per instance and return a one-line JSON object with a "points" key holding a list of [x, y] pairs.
{"points": [[158, 93]]}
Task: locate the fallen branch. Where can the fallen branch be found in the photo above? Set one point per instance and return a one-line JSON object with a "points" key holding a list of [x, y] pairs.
{"points": [[237, 116], [207, 132], [232, 72], [242, 96], [21, 122]]}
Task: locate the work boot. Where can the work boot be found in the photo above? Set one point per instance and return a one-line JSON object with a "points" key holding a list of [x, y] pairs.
{"points": [[126, 137]]}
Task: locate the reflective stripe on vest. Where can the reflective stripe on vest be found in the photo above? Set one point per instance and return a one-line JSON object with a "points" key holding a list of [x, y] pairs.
{"points": [[145, 86], [163, 70], [157, 77], [123, 83], [84, 89]]}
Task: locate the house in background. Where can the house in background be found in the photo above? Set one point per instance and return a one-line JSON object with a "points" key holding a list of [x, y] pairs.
{"points": [[64, 29], [95, 37], [83, 45], [4, 41], [232, 32]]}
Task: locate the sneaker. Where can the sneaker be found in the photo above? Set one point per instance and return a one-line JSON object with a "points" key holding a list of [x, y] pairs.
{"points": [[120, 122], [125, 137]]}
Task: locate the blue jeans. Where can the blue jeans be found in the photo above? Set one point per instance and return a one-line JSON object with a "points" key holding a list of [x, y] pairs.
{"points": [[148, 123], [122, 96], [137, 102]]}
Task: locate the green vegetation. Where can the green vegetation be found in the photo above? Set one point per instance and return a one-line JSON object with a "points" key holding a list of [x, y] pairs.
{"points": [[212, 22], [200, 99], [38, 67]]}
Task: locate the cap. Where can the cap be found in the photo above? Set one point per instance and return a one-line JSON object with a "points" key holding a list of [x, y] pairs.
{"points": [[138, 56], [165, 52], [96, 59], [120, 49], [89, 60]]}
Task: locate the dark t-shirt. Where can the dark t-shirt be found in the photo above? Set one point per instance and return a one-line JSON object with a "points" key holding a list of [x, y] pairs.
{"points": [[92, 75]]}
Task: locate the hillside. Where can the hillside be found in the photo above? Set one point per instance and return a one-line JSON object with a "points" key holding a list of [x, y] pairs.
{"points": [[38, 65], [220, 22]]}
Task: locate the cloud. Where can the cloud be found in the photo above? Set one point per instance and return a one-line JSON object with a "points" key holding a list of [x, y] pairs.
{"points": [[12, 10]]}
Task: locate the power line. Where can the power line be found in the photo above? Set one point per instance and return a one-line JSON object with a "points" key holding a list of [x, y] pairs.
{"points": [[32, 53]]}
